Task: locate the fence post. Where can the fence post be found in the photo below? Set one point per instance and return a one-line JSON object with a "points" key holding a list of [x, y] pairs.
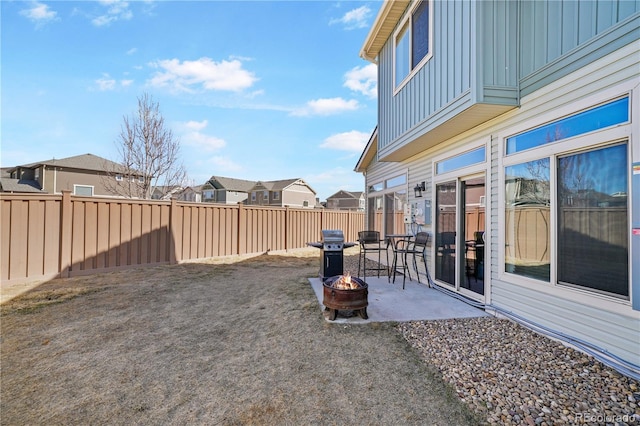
{"points": [[66, 223], [175, 233], [242, 229], [286, 227]]}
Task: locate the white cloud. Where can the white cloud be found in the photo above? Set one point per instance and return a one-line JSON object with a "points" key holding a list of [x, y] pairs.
{"points": [[327, 106], [39, 13], [356, 18], [363, 79], [192, 135], [116, 10], [225, 165], [132, 51], [204, 72], [202, 141], [348, 141], [108, 83], [195, 126]]}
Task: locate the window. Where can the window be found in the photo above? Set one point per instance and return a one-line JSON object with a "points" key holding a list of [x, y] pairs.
{"points": [[118, 177], [376, 187], [396, 181], [412, 42], [527, 220], [265, 196], [387, 203], [83, 190], [253, 196], [566, 213], [462, 160], [593, 241], [276, 195], [140, 179], [597, 118]]}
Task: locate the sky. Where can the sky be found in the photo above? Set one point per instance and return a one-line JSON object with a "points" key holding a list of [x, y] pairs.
{"points": [[256, 90]]}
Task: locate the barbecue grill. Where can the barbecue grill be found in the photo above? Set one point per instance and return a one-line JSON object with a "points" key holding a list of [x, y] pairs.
{"points": [[332, 247]]}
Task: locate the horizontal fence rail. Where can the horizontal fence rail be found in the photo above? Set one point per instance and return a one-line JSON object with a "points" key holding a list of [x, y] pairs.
{"points": [[48, 236]]}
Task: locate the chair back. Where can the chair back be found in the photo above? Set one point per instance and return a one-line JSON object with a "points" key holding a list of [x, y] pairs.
{"points": [[369, 237], [422, 239]]}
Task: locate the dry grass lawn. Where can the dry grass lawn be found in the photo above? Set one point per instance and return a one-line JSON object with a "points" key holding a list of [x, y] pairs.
{"points": [[241, 343]]}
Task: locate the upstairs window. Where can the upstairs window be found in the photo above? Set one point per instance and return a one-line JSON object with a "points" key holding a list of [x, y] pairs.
{"points": [[412, 42]]}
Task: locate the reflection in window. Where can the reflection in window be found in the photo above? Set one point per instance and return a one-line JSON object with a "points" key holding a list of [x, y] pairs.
{"points": [[527, 221], [394, 215], [396, 181], [402, 54], [462, 160], [375, 214], [607, 115], [593, 219], [376, 187]]}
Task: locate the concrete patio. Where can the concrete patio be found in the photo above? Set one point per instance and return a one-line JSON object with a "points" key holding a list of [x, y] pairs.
{"points": [[389, 302]]}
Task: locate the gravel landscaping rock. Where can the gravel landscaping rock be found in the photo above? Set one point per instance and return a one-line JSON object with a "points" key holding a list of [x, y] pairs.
{"points": [[511, 375]]}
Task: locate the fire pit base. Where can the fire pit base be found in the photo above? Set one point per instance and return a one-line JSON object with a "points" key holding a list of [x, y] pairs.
{"points": [[332, 314], [353, 297]]}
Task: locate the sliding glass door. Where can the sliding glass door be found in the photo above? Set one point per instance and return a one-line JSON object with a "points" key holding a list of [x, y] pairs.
{"points": [[460, 223]]}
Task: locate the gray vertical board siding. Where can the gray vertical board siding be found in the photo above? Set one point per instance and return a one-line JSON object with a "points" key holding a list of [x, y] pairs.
{"points": [[474, 55], [551, 30]]}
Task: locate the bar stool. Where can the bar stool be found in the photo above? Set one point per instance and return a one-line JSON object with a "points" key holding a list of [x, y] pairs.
{"points": [[370, 242]]}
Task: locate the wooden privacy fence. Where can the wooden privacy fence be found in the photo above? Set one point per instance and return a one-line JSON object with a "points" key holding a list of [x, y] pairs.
{"points": [[45, 236]]}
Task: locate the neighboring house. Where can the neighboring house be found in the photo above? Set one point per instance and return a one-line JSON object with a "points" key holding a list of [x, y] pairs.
{"points": [[226, 190], [165, 192], [288, 192], [192, 194], [83, 175], [514, 119], [345, 200]]}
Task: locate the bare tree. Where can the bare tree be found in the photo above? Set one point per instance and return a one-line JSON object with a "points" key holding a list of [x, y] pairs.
{"points": [[148, 154]]}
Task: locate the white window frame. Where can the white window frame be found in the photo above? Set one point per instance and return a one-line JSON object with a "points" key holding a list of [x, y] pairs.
{"points": [[581, 143], [118, 177], [75, 186], [408, 20]]}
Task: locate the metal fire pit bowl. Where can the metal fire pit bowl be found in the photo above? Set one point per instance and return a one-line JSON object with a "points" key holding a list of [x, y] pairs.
{"points": [[335, 299]]}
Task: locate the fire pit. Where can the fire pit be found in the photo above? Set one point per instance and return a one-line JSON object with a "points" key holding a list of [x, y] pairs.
{"points": [[344, 292]]}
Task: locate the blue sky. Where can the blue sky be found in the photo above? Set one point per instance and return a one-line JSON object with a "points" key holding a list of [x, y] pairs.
{"points": [[258, 90]]}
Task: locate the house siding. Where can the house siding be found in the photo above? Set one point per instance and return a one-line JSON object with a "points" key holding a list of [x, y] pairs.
{"points": [[464, 70], [614, 330], [560, 37], [602, 321]]}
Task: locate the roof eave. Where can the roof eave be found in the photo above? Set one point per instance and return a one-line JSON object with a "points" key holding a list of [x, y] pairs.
{"points": [[369, 152], [382, 28]]}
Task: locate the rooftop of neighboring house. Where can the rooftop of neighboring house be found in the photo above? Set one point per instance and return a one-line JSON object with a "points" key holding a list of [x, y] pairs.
{"points": [[19, 185], [83, 162], [279, 185], [231, 184], [346, 194]]}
